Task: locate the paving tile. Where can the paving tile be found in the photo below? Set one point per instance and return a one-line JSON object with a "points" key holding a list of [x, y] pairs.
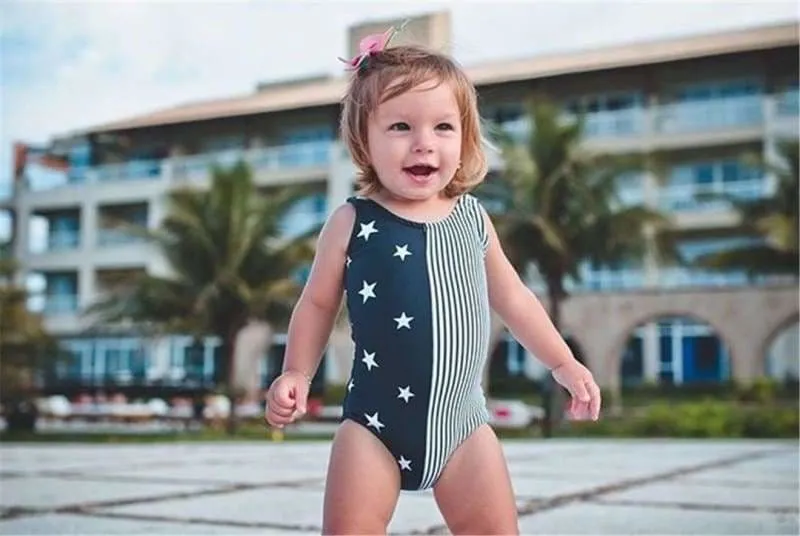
{"points": [[586, 518], [280, 507], [79, 524], [49, 493]]}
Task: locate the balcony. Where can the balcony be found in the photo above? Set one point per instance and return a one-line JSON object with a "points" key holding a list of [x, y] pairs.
{"points": [[787, 103], [58, 304], [63, 240], [606, 279], [677, 277], [670, 123], [709, 197], [603, 124], [113, 237], [711, 114], [268, 159]]}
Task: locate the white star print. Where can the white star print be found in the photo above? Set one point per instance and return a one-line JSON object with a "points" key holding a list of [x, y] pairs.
{"points": [[401, 252], [405, 393], [367, 230], [372, 420], [369, 360], [405, 465], [367, 291], [404, 321], [350, 385], [349, 260]]}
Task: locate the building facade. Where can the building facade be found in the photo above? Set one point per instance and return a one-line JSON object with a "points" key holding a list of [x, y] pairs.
{"points": [[695, 105]]}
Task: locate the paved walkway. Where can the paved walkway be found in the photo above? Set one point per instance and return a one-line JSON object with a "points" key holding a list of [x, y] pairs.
{"points": [[563, 487]]}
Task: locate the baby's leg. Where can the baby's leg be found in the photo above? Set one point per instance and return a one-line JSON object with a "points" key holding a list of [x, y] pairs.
{"points": [[363, 483], [474, 492]]}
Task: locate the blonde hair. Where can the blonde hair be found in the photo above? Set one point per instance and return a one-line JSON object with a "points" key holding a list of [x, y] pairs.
{"points": [[404, 68]]}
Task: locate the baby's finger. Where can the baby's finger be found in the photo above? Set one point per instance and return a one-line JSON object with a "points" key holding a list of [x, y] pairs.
{"points": [[596, 402], [578, 391], [281, 411]]}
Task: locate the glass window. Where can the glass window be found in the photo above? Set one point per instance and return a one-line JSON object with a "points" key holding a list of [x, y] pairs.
{"points": [[704, 173]]}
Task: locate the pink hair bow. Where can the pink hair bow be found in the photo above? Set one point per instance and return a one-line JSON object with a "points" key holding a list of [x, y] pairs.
{"points": [[369, 45]]}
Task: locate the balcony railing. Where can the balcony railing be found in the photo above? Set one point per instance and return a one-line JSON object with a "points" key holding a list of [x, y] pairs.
{"points": [[63, 240], [127, 171], [113, 237], [787, 103], [698, 116], [623, 279], [616, 123], [690, 197], [293, 156], [692, 277], [60, 304]]}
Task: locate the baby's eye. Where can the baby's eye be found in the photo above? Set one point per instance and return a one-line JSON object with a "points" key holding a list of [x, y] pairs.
{"points": [[399, 126], [445, 126]]}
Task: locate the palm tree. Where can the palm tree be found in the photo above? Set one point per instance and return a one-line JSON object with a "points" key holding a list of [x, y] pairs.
{"points": [[26, 349], [560, 207], [773, 221], [228, 266]]}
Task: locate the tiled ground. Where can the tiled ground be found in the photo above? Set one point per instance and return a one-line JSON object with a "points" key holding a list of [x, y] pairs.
{"points": [[563, 487]]}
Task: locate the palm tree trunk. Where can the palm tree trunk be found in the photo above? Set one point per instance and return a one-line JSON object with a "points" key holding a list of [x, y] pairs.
{"points": [[229, 349]]}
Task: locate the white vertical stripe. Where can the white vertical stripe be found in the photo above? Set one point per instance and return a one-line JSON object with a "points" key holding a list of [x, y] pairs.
{"points": [[460, 332]]}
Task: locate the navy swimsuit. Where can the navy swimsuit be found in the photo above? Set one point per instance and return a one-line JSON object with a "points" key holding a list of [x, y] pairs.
{"points": [[419, 308]]}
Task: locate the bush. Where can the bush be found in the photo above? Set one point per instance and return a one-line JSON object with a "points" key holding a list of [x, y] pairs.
{"points": [[705, 419]]}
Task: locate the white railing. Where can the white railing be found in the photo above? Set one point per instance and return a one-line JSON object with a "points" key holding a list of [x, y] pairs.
{"points": [[113, 237], [681, 197], [62, 240], [126, 171], [301, 155], [60, 303], [787, 103], [692, 277], [699, 116], [616, 123], [603, 124], [608, 279]]}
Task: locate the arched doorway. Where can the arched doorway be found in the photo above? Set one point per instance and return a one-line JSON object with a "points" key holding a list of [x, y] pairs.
{"points": [[781, 361], [674, 350]]}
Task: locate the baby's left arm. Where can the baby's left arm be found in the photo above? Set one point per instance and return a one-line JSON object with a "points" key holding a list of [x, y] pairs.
{"points": [[526, 319]]}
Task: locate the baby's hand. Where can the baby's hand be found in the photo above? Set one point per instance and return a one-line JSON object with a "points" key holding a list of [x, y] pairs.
{"points": [[578, 380], [286, 399]]}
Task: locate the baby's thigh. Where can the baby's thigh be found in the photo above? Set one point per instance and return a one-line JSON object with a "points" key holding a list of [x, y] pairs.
{"points": [[363, 483], [474, 492]]}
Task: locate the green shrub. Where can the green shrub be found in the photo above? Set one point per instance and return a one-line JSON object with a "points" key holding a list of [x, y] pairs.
{"points": [[707, 418]]}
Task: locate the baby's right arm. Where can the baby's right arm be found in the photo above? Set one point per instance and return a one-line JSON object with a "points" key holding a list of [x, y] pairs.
{"points": [[315, 312]]}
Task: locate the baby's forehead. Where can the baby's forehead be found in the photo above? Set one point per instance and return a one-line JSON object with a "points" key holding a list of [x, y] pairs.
{"points": [[429, 96]]}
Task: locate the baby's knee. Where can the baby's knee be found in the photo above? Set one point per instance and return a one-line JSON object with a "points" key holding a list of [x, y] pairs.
{"points": [[362, 524], [483, 524]]}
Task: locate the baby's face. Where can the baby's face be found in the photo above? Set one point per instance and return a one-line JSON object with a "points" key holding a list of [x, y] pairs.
{"points": [[414, 141]]}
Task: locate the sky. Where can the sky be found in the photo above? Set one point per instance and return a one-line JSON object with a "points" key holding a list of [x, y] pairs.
{"points": [[67, 65]]}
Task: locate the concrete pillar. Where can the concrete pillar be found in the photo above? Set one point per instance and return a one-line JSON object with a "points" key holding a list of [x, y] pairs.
{"points": [[650, 352], [342, 177], [21, 223], [88, 227], [87, 292]]}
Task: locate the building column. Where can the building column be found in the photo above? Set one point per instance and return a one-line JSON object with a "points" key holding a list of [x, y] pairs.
{"points": [[650, 353], [88, 227], [21, 247], [342, 176], [86, 286]]}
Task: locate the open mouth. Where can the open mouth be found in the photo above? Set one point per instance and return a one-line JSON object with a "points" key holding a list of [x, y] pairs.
{"points": [[420, 171]]}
